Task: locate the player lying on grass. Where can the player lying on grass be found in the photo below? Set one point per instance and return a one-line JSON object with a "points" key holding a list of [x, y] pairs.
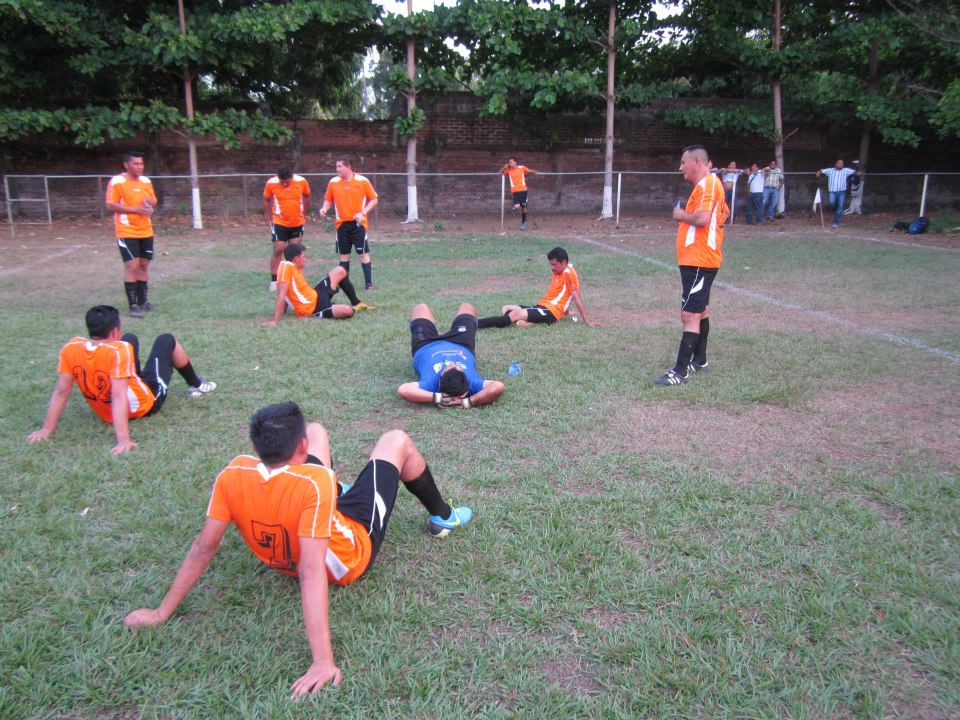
{"points": [[306, 301], [106, 369], [564, 287], [446, 364], [295, 516]]}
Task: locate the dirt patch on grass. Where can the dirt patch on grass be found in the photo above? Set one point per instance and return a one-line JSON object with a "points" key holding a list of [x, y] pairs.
{"points": [[569, 675], [606, 618], [916, 696]]}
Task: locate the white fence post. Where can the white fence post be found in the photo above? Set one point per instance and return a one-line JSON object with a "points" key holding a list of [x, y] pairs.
{"points": [[923, 195], [503, 198], [619, 188]]}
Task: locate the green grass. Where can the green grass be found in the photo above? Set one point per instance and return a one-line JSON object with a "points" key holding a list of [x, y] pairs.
{"points": [[779, 538]]}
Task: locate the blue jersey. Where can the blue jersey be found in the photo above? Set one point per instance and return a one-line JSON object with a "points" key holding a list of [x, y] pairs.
{"points": [[430, 361]]}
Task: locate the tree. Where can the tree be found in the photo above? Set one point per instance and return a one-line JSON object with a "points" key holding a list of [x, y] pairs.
{"points": [[109, 69]]}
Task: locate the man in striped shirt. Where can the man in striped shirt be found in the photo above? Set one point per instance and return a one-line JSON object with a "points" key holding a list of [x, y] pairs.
{"points": [[699, 255], [837, 187]]}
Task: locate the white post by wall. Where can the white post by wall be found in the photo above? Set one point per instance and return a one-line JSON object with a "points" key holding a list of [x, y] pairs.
{"points": [[46, 197], [619, 188], [6, 195], [923, 195], [733, 202], [503, 198]]}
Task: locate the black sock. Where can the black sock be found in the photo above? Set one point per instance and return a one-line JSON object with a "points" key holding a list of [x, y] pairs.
{"points": [[345, 264], [141, 292], [523, 216], [687, 343], [349, 291], [130, 288], [189, 374], [273, 277], [497, 321], [425, 490], [700, 354], [367, 272]]}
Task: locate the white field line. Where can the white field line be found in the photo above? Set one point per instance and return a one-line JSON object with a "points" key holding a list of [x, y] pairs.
{"points": [[820, 314], [23, 266]]}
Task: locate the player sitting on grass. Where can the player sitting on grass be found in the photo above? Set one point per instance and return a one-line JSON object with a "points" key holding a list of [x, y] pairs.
{"points": [[564, 287], [106, 369], [306, 301], [285, 505], [446, 364]]}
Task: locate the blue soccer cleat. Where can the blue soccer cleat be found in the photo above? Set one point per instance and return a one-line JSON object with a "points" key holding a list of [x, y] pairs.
{"points": [[459, 517]]}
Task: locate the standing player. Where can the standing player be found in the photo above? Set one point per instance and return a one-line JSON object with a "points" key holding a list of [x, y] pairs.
{"points": [[131, 198], [285, 505], [106, 369], [564, 288], [286, 202], [518, 186], [306, 301], [446, 364], [352, 197], [699, 255]]}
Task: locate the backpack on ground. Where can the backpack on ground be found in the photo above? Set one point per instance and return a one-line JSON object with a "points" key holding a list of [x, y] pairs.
{"points": [[918, 226]]}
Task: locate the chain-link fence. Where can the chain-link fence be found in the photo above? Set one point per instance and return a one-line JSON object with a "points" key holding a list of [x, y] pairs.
{"points": [[447, 197]]}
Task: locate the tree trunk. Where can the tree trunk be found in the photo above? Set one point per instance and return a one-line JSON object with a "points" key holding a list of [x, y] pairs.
{"points": [[607, 211], [856, 203], [778, 109], [191, 141], [413, 214]]}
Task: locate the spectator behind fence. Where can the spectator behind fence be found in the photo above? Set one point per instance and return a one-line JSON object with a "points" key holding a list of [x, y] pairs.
{"points": [[755, 200], [837, 187], [856, 192], [729, 176], [772, 182]]}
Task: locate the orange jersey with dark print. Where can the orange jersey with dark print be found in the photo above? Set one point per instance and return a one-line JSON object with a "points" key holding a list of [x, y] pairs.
{"points": [[348, 197], [300, 293], [703, 246], [125, 191], [287, 201], [95, 364], [273, 509], [518, 177], [560, 292]]}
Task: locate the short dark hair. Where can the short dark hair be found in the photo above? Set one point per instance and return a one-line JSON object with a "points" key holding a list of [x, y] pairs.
{"points": [[130, 155], [558, 253], [697, 150], [512, 157], [101, 320], [284, 173], [453, 382], [293, 250], [276, 431], [345, 159]]}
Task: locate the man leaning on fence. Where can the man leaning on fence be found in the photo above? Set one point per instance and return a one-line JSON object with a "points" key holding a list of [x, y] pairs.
{"points": [[837, 187], [772, 182]]}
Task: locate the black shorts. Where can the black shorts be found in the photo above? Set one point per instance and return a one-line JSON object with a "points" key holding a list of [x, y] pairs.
{"points": [[520, 198], [158, 371], [371, 499], [282, 233], [351, 234], [463, 331], [133, 248], [324, 306], [696, 282], [539, 314]]}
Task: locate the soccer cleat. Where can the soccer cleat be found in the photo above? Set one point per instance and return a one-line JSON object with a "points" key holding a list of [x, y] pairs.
{"points": [[695, 367], [459, 516], [273, 286], [344, 486], [671, 377], [523, 226], [135, 311], [369, 286], [361, 306], [202, 389], [148, 307]]}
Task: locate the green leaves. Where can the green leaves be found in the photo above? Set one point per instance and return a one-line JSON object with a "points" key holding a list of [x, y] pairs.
{"points": [[408, 126]]}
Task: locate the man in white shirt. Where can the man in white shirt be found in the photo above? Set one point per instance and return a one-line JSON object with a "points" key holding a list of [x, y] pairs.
{"points": [[837, 187], [755, 179]]}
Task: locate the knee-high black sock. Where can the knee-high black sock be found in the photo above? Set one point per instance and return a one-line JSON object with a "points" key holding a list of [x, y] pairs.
{"points": [[687, 344], [273, 277], [497, 321], [345, 264], [425, 490], [523, 216], [349, 291], [367, 272], [700, 354], [130, 288], [189, 375], [141, 292]]}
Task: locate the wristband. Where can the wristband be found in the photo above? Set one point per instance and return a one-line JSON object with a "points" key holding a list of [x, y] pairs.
{"points": [[466, 402], [437, 398]]}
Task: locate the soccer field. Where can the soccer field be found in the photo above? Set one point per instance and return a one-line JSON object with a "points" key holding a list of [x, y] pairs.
{"points": [[778, 538]]}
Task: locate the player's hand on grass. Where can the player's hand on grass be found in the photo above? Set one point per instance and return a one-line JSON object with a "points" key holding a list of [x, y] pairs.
{"points": [[123, 446], [143, 617], [38, 435], [593, 323], [268, 323], [317, 675]]}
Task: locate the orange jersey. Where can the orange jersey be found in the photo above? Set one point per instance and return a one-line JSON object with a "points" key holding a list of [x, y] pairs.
{"points": [[702, 246], [348, 197], [300, 294], [287, 201], [560, 292], [273, 509], [125, 191], [518, 177], [94, 364]]}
